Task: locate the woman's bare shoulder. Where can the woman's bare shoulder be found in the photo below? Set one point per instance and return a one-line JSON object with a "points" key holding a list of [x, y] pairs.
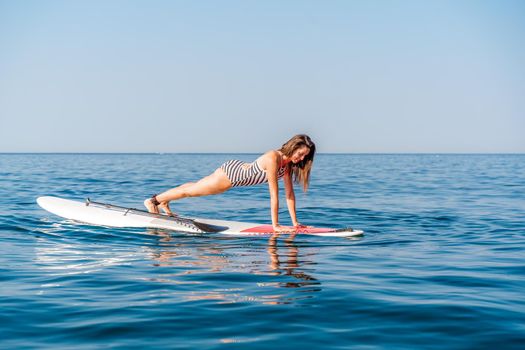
{"points": [[269, 158]]}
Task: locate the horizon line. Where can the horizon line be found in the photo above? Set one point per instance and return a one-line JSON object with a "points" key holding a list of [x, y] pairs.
{"points": [[328, 153]]}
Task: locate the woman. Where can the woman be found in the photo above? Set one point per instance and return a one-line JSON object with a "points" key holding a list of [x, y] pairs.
{"points": [[293, 162]]}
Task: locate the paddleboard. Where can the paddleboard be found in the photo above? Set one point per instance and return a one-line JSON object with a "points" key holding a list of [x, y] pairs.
{"points": [[97, 213]]}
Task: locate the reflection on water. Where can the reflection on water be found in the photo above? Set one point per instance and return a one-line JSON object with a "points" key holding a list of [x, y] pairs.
{"points": [[291, 266], [71, 258], [195, 267], [177, 253]]}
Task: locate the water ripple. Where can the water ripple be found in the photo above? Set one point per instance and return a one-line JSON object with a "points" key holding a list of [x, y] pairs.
{"points": [[440, 267]]}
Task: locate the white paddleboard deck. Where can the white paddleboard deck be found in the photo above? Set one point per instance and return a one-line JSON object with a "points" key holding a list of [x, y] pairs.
{"points": [[103, 214]]}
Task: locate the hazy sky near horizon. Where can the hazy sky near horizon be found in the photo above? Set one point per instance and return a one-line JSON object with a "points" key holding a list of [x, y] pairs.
{"points": [[244, 76]]}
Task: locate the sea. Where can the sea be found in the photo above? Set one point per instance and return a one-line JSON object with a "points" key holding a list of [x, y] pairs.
{"points": [[441, 264]]}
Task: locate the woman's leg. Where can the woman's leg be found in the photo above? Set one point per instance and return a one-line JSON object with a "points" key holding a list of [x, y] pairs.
{"points": [[215, 183]]}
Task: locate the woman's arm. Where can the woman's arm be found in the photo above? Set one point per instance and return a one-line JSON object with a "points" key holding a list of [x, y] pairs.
{"points": [[271, 162], [290, 197]]}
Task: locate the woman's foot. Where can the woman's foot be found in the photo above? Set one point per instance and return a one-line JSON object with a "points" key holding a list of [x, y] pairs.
{"points": [[166, 208], [152, 205]]}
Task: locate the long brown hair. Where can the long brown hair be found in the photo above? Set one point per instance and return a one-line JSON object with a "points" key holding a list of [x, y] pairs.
{"points": [[301, 171]]}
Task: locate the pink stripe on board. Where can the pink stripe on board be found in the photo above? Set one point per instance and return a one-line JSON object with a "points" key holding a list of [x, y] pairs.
{"points": [[269, 229]]}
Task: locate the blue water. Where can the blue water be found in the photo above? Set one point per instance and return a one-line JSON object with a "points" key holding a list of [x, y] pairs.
{"points": [[441, 266]]}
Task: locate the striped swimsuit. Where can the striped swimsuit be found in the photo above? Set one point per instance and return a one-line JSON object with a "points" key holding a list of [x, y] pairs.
{"points": [[247, 174]]}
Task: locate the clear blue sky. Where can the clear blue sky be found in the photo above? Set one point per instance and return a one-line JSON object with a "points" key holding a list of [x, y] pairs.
{"points": [[244, 76]]}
